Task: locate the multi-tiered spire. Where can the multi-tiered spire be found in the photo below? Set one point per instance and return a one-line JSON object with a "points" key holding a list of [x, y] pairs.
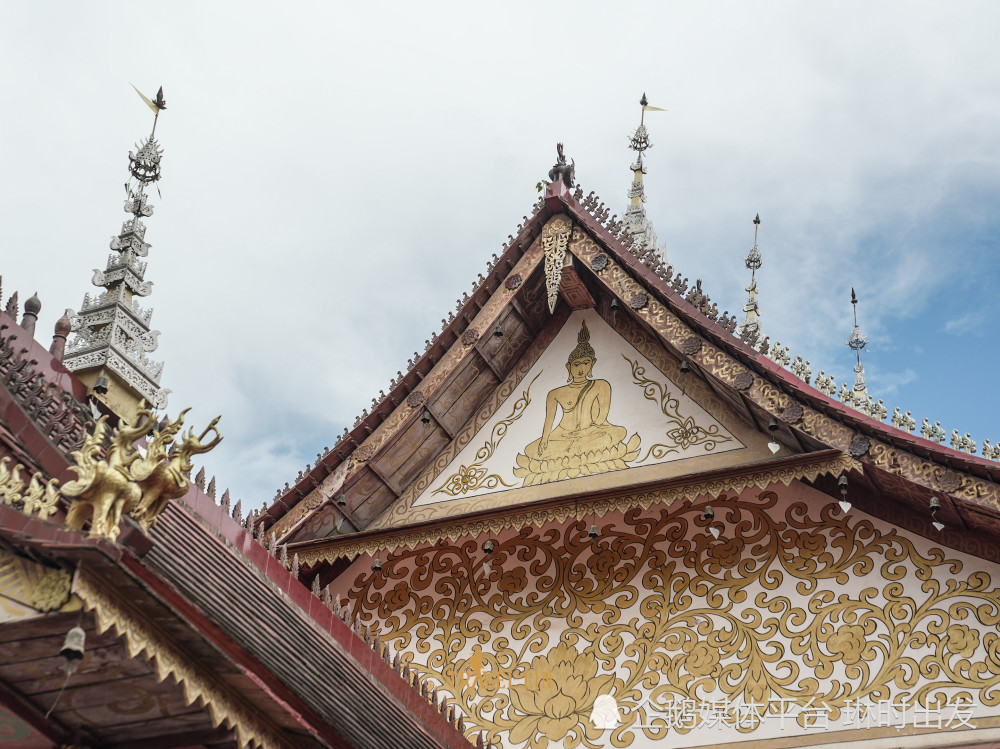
{"points": [[112, 329], [635, 218], [750, 325], [858, 396]]}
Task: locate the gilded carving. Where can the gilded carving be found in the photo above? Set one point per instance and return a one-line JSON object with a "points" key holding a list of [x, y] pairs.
{"points": [[51, 591], [38, 498], [127, 481], [27, 587], [555, 237], [793, 604]]}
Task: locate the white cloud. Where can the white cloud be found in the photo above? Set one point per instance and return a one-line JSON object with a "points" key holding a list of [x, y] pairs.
{"points": [[335, 175]]}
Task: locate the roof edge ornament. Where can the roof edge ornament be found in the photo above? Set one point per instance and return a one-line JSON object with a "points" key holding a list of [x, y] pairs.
{"points": [[561, 170]]}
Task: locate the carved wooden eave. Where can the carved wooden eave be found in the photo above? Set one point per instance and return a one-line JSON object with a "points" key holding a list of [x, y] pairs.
{"points": [[214, 636], [805, 467], [902, 470]]}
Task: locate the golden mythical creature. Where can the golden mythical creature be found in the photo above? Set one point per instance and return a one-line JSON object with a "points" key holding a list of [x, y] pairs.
{"points": [[583, 442], [127, 481], [164, 476], [104, 488]]}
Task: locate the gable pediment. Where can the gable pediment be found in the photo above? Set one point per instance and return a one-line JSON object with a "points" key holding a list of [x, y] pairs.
{"points": [[595, 405]]}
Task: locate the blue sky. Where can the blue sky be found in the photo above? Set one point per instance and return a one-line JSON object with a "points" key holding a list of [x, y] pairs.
{"points": [[336, 175]]}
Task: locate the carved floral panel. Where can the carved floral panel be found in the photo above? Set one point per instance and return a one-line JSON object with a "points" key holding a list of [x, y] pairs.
{"points": [[777, 617]]}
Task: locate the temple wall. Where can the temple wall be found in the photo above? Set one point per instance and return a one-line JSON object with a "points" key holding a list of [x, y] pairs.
{"points": [[796, 626]]}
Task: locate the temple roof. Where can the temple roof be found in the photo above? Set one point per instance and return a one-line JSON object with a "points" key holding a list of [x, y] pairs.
{"points": [[409, 428]]}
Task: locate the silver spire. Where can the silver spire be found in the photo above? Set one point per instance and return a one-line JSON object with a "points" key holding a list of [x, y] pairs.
{"points": [[750, 325], [859, 397], [635, 219], [112, 329]]}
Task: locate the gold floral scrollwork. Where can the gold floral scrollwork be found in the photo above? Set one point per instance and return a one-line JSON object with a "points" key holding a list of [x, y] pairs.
{"points": [[475, 475], [555, 239], [791, 603], [556, 697], [683, 432]]}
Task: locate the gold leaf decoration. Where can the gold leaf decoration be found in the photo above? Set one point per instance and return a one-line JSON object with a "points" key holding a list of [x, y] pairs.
{"points": [[683, 431], [793, 604]]}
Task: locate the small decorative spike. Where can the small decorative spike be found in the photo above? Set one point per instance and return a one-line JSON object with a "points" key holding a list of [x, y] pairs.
{"points": [[315, 587], [238, 511], [327, 598], [283, 556], [990, 452], [12, 306], [272, 544], [211, 488], [225, 503], [199, 480], [396, 661], [295, 566]]}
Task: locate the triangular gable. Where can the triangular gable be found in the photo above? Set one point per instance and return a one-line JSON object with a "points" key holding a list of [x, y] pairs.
{"points": [[644, 420]]}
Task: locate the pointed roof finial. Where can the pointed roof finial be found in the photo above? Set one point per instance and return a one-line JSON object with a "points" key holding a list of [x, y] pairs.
{"points": [[750, 326], [112, 329], [635, 220], [859, 397]]}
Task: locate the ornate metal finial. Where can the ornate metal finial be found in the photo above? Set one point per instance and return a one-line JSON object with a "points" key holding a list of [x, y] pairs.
{"points": [[750, 326], [562, 170], [635, 221], [858, 397], [112, 330]]}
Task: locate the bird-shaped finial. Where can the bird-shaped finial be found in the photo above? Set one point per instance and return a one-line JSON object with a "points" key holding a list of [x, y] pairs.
{"points": [[756, 219]]}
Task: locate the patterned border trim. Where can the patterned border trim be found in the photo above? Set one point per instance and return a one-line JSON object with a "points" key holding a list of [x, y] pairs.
{"points": [[571, 506], [143, 636]]}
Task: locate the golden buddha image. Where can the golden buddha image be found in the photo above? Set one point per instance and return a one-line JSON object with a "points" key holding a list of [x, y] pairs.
{"points": [[583, 443]]}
